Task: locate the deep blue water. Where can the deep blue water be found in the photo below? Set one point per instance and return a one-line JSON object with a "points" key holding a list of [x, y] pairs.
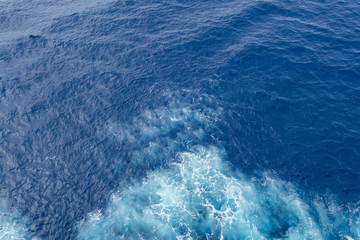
{"points": [[179, 119]]}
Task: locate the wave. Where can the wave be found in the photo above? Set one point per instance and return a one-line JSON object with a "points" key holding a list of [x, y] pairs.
{"points": [[191, 192]]}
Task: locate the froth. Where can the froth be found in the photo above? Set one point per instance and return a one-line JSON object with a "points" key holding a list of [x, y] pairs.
{"points": [[198, 196], [12, 224]]}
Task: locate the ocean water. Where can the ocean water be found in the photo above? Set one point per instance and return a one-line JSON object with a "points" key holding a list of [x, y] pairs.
{"points": [[179, 119]]}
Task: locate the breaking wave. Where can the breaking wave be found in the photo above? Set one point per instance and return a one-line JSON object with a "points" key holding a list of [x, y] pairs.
{"points": [[190, 191]]}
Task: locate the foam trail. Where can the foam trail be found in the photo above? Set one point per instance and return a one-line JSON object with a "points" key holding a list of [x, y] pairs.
{"points": [[197, 196], [12, 224], [154, 138]]}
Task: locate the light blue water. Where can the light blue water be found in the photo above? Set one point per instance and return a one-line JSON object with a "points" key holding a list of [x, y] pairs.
{"points": [[175, 119]]}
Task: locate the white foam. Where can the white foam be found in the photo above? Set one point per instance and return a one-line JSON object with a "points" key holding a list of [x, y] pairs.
{"points": [[12, 224], [198, 195]]}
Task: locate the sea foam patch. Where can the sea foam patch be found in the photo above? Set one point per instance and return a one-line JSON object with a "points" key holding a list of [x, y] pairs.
{"points": [[12, 224], [155, 137], [198, 196]]}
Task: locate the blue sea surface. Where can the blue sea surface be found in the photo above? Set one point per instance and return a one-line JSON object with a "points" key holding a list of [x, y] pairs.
{"points": [[223, 119]]}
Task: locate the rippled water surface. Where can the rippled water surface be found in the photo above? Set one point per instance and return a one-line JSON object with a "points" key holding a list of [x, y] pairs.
{"points": [[179, 119]]}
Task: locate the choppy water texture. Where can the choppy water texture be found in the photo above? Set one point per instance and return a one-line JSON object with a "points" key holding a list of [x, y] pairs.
{"points": [[177, 119]]}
